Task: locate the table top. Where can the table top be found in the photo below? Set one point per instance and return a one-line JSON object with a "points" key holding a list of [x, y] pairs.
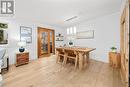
{"points": [[75, 48], [22, 52]]}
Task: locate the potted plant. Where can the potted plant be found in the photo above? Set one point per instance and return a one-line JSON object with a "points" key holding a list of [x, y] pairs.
{"points": [[113, 49]]}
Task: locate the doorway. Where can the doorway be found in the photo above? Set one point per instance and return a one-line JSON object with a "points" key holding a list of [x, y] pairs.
{"points": [[46, 42]]}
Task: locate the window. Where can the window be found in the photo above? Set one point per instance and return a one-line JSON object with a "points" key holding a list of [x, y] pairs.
{"points": [[71, 30], [68, 31], [71, 33], [74, 30]]}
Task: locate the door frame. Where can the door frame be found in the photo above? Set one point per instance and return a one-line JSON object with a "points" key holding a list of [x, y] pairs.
{"points": [[38, 40], [124, 22]]}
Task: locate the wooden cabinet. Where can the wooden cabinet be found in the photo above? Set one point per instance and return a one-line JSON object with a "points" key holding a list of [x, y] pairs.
{"points": [[46, 42], [22, 58], [114, 59]]}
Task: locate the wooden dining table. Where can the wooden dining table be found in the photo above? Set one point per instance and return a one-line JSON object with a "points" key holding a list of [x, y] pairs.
{"points": [[81, 52]]}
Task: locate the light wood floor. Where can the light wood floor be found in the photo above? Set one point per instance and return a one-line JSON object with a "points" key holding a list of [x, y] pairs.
{"points": [[45, 72]]}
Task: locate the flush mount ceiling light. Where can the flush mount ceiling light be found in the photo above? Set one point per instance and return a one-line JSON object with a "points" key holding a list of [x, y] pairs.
{"points": [[70, 19]]}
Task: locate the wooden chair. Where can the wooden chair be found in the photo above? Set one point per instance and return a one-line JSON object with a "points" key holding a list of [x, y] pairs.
{"points": [[70, 54], [60, 54]]}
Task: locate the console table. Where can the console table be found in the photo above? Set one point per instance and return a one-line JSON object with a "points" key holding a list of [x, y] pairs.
{"points": [[22, 58], [114, 59]]}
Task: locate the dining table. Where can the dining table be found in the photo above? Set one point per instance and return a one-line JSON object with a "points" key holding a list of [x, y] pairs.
{"points": [[81, 52]]}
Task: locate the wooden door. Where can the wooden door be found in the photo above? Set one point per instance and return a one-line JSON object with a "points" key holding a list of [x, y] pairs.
{"points": [[125, 45], [46, 43]]}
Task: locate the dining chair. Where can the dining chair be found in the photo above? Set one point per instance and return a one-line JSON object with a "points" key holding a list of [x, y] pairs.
{"points": [[70, 54], [60, 54]]}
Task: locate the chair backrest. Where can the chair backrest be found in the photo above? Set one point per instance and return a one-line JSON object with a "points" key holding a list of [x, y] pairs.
{"points": [[69, 52], [59, 50]]}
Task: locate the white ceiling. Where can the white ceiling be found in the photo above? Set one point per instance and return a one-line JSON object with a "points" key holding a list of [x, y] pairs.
{"points": [[55, 12]]}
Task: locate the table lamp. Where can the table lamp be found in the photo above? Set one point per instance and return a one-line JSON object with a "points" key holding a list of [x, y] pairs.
{"points": [[21, 44]]}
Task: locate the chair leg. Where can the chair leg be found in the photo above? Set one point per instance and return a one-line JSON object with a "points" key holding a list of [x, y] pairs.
{"points": [[87, 55], [57, 55], [65, 59], [85, 60], [58, 58]]}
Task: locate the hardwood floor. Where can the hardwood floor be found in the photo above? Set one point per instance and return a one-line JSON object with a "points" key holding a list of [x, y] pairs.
{"points": [[45, 72]]}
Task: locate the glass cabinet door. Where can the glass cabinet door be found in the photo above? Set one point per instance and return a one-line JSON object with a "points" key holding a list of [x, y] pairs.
{"points": [[51, 37], [44, 42]]}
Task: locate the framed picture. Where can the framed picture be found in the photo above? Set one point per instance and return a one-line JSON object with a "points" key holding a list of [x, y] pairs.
{"points": [[3, 33], [26, 34], [4, 25], [85, 34], [3, 36]]}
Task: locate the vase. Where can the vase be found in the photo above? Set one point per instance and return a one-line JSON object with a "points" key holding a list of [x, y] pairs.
{"points": [[70, 43], [21, 49]]}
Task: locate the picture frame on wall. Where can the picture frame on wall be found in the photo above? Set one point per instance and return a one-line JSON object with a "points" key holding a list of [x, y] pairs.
{"points": [[3, 36], [3, 33], [26, 34], [85, 34], [3, 25]]}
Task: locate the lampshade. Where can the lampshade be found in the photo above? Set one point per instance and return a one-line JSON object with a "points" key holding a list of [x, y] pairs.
{"points": [[22, 43]]}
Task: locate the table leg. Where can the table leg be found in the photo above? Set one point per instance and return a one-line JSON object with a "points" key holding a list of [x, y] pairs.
{"points": [[80, 60], [77, 59], [85, 60], [87, 56]]}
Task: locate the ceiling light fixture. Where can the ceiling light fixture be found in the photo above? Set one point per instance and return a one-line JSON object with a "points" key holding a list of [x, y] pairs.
{"points": [[71, 18]]}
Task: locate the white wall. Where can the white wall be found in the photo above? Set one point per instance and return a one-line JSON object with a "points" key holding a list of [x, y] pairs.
{"points": [[107, 34], [14, 37]]}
